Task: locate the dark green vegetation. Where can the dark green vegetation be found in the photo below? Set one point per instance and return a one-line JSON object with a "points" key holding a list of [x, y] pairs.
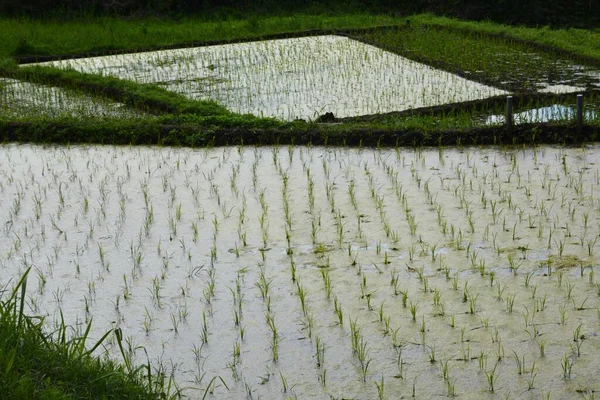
{"points": [[538, 12], [29, 37], [516, 59], [38, 365], [512, 65]]}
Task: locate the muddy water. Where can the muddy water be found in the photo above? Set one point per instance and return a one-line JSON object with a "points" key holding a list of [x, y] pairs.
{"points": [[293, 78], [231, 263]]}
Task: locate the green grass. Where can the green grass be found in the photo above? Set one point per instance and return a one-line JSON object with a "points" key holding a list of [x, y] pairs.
{"points": [[22, 36], [38, 365], [581, 42], [500, 62], [425, 130]]}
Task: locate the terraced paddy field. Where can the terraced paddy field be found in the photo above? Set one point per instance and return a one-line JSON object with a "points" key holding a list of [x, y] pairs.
{"points": [[317, 272], [310, 271], [385, 73], [24, 98], [289, 79]]}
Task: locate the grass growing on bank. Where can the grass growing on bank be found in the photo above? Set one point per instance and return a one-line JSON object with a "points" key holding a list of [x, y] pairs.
{"points": [[582, 42], [23, 36], [19, 36], [454, 128], [34, 364]]}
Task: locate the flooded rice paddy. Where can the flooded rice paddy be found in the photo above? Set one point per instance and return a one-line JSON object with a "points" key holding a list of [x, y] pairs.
{"points": [[21, 99], [555, 112], [497, 61], [315, 272], [293, 78]]}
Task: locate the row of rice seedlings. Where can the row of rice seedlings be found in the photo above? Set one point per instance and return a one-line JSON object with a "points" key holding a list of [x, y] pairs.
{"points": [[483, 58], [292, 78], [321, 260], [445, 296], [136, 250], [22, 99], [359, 345], [310, 325], [472, 299]]}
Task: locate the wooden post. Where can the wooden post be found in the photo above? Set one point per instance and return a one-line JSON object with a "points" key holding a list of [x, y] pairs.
{"points": [[579, 113], [509, 113]]}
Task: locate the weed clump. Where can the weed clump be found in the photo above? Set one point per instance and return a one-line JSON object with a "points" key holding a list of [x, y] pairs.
{"points": [[38, 365]]}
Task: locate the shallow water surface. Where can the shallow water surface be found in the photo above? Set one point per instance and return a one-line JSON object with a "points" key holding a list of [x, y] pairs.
{"points": [[555, 112], [293, 78], [315, 272], [21, 99]]}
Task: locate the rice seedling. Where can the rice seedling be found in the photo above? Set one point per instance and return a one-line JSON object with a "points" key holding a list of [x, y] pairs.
{"points": [[362, 353], [204, 329], [492, 377], [432, 357], [510, 302], [559, 278], [326, 282], [567, 366], [413, 311], [302, 296], [380, 388], [284, 383], [472, 303], [320, 352], [514, 266]]}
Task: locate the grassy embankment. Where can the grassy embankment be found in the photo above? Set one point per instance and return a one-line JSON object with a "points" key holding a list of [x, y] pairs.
{"points": [[486, 52], [32, 37], [38, 365]]}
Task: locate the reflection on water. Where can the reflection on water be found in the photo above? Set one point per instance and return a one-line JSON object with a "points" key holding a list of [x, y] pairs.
{"points": [[21, 99], [315, 272], [555, 112], [293, 78]]}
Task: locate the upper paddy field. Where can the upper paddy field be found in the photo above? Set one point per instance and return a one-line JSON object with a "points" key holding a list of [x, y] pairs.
{"points": [[298, 269], [218, 82]]}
